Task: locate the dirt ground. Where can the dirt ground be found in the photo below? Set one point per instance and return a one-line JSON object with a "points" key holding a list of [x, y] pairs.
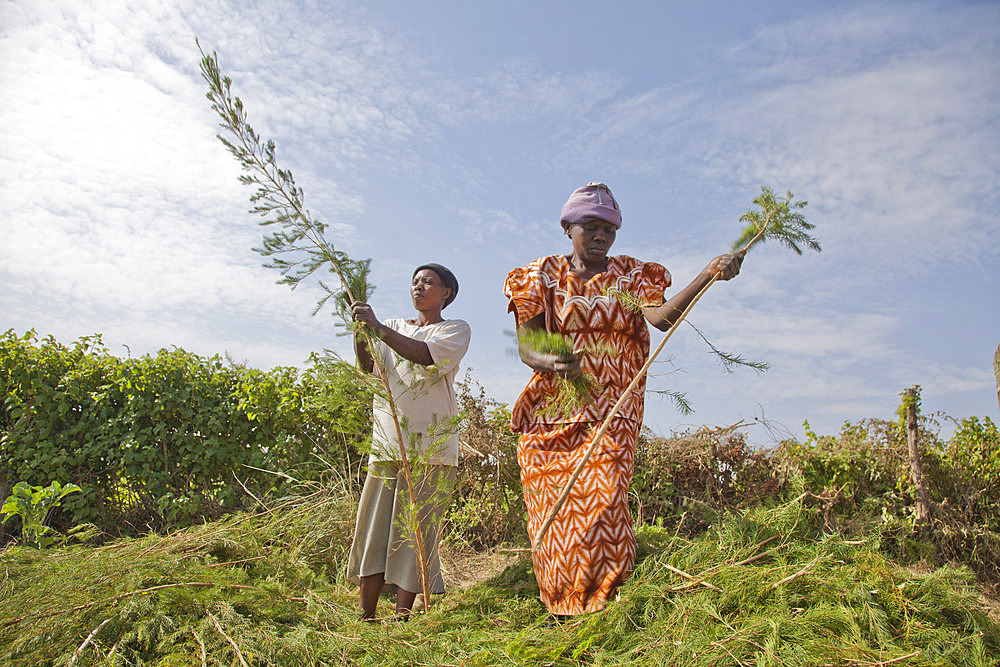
{"points": [[462, 567]]}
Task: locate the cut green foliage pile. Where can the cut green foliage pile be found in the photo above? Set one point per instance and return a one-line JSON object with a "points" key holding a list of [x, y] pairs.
{"points": [[242, 584], [761, 587]]}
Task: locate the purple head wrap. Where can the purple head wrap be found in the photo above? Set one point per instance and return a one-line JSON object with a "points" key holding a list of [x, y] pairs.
{"points": [[594, 200]]}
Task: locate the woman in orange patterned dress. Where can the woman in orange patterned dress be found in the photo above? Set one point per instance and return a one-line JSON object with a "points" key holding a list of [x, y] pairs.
{"points": [[590, 548]]}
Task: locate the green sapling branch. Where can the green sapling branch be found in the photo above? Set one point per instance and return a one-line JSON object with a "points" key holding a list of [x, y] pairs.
{"points": [[280, 202]]}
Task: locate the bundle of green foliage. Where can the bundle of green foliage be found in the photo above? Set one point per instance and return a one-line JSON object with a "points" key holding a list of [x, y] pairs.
{"points": [[167, 439], [573, 393], [762, 587]]}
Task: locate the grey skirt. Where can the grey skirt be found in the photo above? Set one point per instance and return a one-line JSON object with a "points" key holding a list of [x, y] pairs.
{"points": [[382, 537]]}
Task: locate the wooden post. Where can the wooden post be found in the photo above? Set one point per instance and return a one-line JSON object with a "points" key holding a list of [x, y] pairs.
{"points": [[916, 471], [996, 371]]}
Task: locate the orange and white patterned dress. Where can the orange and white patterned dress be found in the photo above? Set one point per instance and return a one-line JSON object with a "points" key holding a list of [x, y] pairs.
{"points": [[590, 548]]}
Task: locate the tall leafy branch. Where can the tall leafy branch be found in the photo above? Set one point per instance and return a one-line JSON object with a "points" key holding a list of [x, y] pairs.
{"points": [[778, 219], [298, 248]]}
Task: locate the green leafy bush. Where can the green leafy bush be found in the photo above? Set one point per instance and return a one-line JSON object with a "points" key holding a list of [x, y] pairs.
{"points": [[973, 453], [170, 438], [691, 477], [32, 504]]}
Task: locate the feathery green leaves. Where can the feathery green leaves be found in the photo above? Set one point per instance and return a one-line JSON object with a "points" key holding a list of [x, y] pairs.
{"points": [[779, 219], [630, 303], [297, 247], [678, 398], [729, 360]]}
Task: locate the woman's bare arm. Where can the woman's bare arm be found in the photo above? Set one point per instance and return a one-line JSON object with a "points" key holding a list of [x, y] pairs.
{"points": [[410, 349], [663, 317]]}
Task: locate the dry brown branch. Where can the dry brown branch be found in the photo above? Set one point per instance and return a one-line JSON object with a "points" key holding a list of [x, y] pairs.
{"points": [[86, 642], [352, 638], [229, 639], [248, 491], [810, 565], [692, 577], [882, 663], [234, 562], [745, 561], [201, 646], [913, 449], [469, 449], [738, 661]]}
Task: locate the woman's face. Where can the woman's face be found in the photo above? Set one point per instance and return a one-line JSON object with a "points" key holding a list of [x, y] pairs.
{"points": [[592, 239], [428, 290]]}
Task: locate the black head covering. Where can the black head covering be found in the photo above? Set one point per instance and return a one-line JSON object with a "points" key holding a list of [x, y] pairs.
{"points": [[447, 277]]}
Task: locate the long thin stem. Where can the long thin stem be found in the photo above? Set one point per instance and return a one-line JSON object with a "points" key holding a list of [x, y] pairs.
{"points": [[239, 654], [234, 120]]}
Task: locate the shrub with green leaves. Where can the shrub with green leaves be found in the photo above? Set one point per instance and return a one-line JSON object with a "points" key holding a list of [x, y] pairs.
{"points": [[33, 504], [488, 506], [689, 479], [974, 451]]}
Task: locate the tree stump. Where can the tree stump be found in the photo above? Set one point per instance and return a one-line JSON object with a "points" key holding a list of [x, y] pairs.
{"points": [[916, 470]]}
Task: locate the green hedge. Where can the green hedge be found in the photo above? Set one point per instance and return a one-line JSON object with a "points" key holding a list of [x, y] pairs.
{"points": [[168, 438]]}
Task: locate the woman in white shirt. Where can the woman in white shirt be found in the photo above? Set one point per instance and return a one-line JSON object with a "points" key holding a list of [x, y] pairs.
{"points": [[421, 357]]}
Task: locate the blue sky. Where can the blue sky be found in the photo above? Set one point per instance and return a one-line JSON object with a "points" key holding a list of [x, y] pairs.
{"points": [[454, 131]]}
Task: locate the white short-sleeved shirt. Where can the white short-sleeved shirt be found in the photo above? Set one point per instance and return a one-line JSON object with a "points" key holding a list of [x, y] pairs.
{"points": [[424, 395]]}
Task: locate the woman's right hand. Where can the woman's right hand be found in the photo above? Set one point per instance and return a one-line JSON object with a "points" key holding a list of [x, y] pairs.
{"points": [[563, 365], [566, 365]]}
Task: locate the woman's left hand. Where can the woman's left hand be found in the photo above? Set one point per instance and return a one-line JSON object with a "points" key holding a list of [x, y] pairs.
{"points": [[727, 266]]}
